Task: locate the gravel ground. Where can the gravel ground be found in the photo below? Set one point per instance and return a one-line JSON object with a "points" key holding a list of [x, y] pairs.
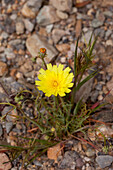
{"points": [[28, 25]]}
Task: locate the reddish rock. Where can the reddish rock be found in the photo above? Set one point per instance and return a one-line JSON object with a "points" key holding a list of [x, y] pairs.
{"points": [[3, 68]]}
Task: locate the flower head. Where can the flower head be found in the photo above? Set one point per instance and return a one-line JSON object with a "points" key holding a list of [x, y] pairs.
{"points": [[55, 80]]}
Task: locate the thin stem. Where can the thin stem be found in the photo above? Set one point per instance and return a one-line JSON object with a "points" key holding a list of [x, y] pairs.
{"points": [[44, 63]]}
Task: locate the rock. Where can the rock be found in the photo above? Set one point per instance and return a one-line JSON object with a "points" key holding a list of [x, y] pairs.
{"points": [[13, 16], [100, 32], [19, 27], [3, 68], [79, 162], [87, 36], [94, 96], [57, 34], [108, 2], [2, 49], [108, 33], [3, 159], [28, 25], [108, 13], [84, 91], [96, 23], [110, 85], [11, 112], [9, 126], [98, 87], [27, 12], [35, 42], [34, 5], [104, 115], [4, 35], [62, 5], [104, 160], [15, 42], [90, 152], [9, 53], [47, 15], [16, 87], [61, 14], [69, 160], [62, 47], [49, 28], [9, 26], [1, 130], [109, 42]]}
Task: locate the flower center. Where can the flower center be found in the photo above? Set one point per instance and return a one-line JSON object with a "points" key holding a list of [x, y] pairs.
{"points": [[55, 83]]}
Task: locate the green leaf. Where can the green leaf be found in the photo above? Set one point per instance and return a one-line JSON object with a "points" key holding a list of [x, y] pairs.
{"points": [[92, 46], [85, 80], [77, 107], [89, 44], [75, 58]]}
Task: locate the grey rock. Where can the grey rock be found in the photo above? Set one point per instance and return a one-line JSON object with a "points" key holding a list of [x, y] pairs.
{"points": [[37, 163], [84, 91], [20, 27], [108, 13], [9, 126], [104, 160], [94, 96], [47, 15], [1, 130], [49, 28], [104, 115], [35, 42], [34, 5], [15, 42], [98, 87], [108, 33], [62, 5], [6, 110], [69, 160], [100, 32], [96, 23], [4, 35], [82, 16], [28, 25], [16, 87], [9, 53]]}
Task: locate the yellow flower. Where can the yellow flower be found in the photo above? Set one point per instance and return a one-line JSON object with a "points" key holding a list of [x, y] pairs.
{"points": [[55, 80]]}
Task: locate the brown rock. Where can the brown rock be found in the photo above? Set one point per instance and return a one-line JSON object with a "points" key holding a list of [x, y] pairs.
{"points": [[61, 14], [57, 34], [54, 152], [63, 47], [27, 12], [35, 42], [110, 86], [4, 158], [62, 5], [3, 68], [13, 72]]}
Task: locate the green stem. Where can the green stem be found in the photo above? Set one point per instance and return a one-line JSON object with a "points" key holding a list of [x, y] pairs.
{"points": [[44, 63], [34, 122]]}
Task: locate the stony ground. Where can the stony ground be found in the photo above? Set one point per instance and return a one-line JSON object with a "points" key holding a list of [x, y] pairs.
{"points": [[28, 25]]}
